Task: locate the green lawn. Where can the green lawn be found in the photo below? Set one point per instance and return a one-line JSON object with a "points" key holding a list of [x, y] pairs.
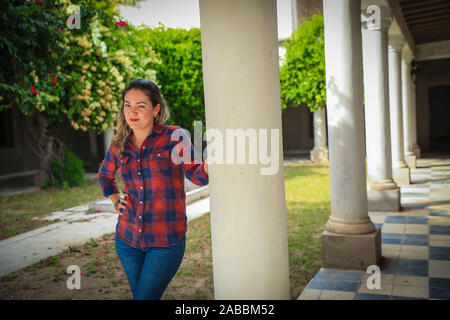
{"points": [[307, 188], [308, 208]]}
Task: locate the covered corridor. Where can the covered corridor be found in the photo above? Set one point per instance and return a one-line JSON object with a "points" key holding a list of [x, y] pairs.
{"points": [[369, 49]]}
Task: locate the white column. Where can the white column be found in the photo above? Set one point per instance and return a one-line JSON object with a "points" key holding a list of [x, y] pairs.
{"points": [[93, 143], [400, 169], [320, 151], [303, 10], [242, 90], [410, 157], [416, 148], [107, 135], [383, 193], [350, 240]]}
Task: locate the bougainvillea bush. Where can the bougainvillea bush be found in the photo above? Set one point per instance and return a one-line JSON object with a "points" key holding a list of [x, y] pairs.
{"points": [[103, 59], [51, 72]]}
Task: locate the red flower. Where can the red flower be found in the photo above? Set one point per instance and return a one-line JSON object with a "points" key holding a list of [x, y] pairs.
{"points": [[54, 80], [10, 105], [121, 23], [35, 92]]}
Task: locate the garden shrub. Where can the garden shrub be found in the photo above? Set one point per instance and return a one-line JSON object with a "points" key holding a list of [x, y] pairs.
{"points": [[302, 74], [69, 171]]}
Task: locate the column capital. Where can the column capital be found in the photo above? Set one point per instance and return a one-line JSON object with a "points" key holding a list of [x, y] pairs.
{"points": [[376, 17], [407, 56], [396, 42]]}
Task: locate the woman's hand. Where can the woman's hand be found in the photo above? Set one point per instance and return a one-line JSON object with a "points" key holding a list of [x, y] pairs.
{"points": [[120, 205], [206, 167]]}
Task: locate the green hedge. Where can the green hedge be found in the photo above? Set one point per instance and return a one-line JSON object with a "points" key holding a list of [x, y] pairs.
{"points": [[302, 75], [69, 172]]}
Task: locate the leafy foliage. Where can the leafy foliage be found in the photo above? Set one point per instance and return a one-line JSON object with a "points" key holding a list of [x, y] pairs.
{"points": [[69, 171], [51, 72], [31, 50], [103, 58], [302, 74], [76, 74]]}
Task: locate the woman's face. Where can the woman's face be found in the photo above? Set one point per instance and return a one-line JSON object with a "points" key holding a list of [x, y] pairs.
{"points": [[138, 110]]}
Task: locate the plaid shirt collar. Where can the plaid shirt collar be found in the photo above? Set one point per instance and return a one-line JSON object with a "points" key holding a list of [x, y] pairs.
{"points": [[157, 128]]}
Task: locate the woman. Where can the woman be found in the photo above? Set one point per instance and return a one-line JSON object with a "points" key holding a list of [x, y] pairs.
{"points": [[151, 227]]}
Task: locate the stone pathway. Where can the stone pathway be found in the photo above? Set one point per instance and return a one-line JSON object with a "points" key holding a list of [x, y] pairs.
{"points": [[415, 246], [76, 226]]}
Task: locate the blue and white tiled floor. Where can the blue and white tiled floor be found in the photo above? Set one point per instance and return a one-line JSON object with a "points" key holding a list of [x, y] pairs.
{"points": [[415, 246]]}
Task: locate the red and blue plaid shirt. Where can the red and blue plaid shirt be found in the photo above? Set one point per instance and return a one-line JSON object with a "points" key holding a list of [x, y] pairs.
{"points": [[155, 213]]}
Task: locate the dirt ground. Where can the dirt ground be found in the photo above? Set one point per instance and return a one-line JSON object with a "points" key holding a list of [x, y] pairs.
{"points": [[102, 276]]}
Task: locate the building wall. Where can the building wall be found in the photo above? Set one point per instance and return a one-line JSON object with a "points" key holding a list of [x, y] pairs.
{"points": [[16, 155], [439, 99], [431, 73], [298, 131], [306, 8]]}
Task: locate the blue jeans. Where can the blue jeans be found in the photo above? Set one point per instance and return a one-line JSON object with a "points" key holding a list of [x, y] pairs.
{"points": [[149, 270]]}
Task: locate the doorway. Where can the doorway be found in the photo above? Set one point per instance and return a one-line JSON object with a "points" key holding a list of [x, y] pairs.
{"points": [[439, 102]]}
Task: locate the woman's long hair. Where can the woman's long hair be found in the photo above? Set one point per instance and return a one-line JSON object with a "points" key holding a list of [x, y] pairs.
{"points": [[154, 94]]}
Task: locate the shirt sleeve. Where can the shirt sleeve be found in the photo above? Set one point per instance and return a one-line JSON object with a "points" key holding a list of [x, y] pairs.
{"points": [[106, 174], [196, 173], [194, 169]]}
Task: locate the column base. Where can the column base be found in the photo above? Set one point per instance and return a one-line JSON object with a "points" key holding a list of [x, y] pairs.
{"points": [[401, 176], [410, 159], [343, 251], [384, 200], [319, 155]]}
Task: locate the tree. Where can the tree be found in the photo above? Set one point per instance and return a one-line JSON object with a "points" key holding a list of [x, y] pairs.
{"points": [[302, 74], [51, 73]]}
